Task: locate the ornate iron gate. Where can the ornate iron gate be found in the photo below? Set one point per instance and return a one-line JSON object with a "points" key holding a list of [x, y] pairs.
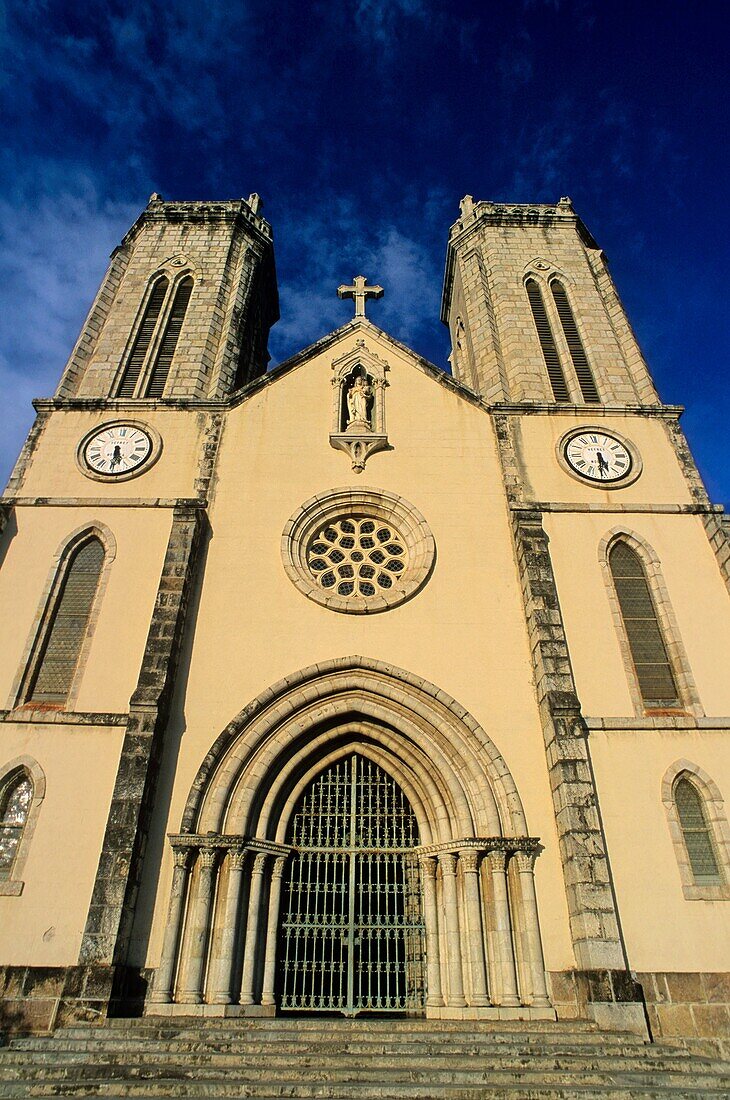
{"points": [[352, 930]]}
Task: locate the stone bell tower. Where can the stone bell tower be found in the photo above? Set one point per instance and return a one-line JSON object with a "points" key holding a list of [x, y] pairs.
{"points": [[506, 262], [209, 263]]}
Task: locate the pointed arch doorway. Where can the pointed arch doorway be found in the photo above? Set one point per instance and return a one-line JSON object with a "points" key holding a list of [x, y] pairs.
{"points": [[352, 934]]}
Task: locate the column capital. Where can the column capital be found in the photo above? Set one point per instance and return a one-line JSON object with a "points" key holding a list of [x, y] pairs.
{"points": [[525, 860], [258, 863], [278, 869], [448, 863], [497, 858], [181, 854], [469, 860], [428, 866], [208, 857], [237, 858]]}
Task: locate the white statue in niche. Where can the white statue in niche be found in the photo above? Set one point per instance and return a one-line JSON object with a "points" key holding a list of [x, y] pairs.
{"points": [[358, 396]]}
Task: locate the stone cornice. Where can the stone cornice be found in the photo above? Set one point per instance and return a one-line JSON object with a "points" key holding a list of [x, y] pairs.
{"points": [[102, 502], [539, 506], [49, 716], [232, 211], [544, 408], [668, 722], [256, 844], [475, 216]]}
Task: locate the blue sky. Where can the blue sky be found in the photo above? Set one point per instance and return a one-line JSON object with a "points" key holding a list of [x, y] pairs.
{"points": [[362, 125]]}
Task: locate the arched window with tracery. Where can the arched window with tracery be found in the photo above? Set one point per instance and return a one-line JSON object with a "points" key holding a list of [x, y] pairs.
{"points": [[583, 372], [547, 342], [143, 339], [696, 833], [67, 624], [654, 673], [699, 830], [170, 337], [16, 799]]}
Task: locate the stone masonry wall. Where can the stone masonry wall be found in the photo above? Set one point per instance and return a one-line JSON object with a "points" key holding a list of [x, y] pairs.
{"points": [[492, 248], [221, 245]]}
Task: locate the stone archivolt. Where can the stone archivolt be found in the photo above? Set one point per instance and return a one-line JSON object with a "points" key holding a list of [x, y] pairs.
{"points": [[476, 858]]}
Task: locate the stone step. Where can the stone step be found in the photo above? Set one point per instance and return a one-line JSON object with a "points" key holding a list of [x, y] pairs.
{"points": [[299, 1074], [170, 1088], [650, 1060], [484, 1047], [275, 1033], [303, 1022]]}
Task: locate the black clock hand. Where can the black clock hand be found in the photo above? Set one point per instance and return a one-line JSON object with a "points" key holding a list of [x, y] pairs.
{"points": [[116, 456]]}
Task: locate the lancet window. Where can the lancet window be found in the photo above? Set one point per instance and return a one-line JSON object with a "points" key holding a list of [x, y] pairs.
{"points": [[16, 798], [67, 624], [696, 833], [653, 668], [583, 372], [547, 342], [161, 368], [139, 380]]}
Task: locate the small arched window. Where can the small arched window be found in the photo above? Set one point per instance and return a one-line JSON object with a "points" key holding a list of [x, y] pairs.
{"points": [[68, 624], [583, 371], [141, 345], [696, 833], [161, 369], [651, 662], [547, 342], [16, 799]]}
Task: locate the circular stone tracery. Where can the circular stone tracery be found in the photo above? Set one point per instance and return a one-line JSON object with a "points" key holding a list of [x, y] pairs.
{"points": [[356, 556], [358, 551]]}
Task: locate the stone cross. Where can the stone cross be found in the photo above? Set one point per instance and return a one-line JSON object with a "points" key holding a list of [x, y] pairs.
{"points": [[360, 293]]}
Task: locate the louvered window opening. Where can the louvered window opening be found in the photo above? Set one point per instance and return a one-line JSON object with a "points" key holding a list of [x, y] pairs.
{"points": [[69, 624], [143, 339], [15, 803], [547, 342], [651, 661], [575, 346], [697, 835], [161, 369]]}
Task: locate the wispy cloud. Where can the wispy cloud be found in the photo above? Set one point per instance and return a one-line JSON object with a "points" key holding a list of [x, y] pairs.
{"points": [[54, 247], [337, 242]]}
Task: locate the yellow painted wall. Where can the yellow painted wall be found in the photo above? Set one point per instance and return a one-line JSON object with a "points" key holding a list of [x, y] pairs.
{"points": [[464, 631], [43, 927]]}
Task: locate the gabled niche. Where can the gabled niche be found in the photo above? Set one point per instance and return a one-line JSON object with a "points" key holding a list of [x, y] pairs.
{"points": [[358, 405]]}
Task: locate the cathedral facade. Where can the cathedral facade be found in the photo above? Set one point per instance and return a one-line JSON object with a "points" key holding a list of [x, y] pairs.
{"points": [[354, 686]]}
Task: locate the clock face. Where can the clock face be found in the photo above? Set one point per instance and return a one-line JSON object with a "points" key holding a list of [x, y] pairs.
{"points": [[117, 449], [597, 456]]}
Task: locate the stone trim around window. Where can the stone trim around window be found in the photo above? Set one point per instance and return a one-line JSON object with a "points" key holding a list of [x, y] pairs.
{"points": [[714, 807], [386, 508], [690, 700], [13, 887], [46, 607]]}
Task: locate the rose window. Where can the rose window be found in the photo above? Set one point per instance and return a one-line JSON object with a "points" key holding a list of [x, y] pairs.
{"points": [[358, 551], [356, 556]]}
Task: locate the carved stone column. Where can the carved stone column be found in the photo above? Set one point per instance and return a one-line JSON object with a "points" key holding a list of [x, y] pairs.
{"points": [[277, 871], [434, 996], [162, 991], [469, 860], [252, 929], [192, 992], [504, 951], [221, 985], [525, 864], [453, 939]]}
